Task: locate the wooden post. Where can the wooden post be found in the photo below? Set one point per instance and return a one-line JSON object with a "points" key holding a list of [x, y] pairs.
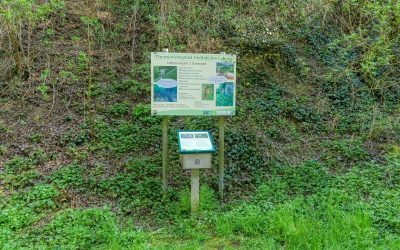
{"points": [[165, 122], [165, 153], [221, 157], [194, 197]]}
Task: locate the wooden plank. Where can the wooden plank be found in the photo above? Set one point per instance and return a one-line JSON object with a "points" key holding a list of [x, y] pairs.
{"points": [[165, 122], [221, 157], [195, 180]]}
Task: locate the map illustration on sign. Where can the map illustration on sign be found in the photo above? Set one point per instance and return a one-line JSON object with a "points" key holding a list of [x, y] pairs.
{"points": [[193, 84]]}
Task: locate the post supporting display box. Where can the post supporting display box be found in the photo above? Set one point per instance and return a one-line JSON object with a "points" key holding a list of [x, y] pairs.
{"points": [[195, 149]]}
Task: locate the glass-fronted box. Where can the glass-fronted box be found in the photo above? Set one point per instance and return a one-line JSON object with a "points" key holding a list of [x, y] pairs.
{"points": [[195, 149]]}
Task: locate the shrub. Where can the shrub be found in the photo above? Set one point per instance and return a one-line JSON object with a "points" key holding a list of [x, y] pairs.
{"points": [[307, 178], [23, 209], [385, 210], [3, 150], [119, 109], [91, 228], [19, 172], [67, 176], [343, 152], [362, 180], [18, 165]]}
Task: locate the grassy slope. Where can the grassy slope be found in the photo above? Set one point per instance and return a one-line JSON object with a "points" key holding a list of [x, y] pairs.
{"points": [[309, 165]]}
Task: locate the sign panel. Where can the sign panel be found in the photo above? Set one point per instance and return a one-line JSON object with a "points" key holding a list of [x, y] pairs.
{"points": [[195, 142], [193, 84]]}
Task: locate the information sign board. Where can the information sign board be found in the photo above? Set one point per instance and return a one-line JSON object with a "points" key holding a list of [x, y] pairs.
{"points": [[193, 84]]}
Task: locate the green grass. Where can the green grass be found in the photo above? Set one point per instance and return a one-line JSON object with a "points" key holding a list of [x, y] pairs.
{"points": [[334, 215], [91, 228]]}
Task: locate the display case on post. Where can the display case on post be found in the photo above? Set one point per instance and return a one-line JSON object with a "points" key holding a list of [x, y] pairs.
{"points": [[195, 152]]}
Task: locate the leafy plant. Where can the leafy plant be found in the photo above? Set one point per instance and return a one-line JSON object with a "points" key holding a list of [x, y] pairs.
{"points": [[26, 208], [68, 176], [3, 149], [87, 228], [141, 111], [43, 89], [19, 172], [35, 137], [119, 109], [18, 164], [3, 128]]}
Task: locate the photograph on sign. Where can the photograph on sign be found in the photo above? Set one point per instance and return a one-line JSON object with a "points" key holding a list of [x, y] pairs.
{"points": [[195, 141], [165, 83], [193, 84]]}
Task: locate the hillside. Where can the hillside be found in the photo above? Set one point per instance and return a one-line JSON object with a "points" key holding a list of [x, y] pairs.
{"points": [[312, 155]]}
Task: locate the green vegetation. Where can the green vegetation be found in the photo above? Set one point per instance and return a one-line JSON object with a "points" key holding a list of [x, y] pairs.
{"points": [[312, 156]]}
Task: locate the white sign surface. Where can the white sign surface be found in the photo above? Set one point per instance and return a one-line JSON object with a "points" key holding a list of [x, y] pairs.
{"points": [[193, 84], [195, 141]]}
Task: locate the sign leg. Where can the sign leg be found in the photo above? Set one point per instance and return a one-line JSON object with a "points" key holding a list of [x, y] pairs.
{"points": [[221, 157], [195, 180], [165, 154]]}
